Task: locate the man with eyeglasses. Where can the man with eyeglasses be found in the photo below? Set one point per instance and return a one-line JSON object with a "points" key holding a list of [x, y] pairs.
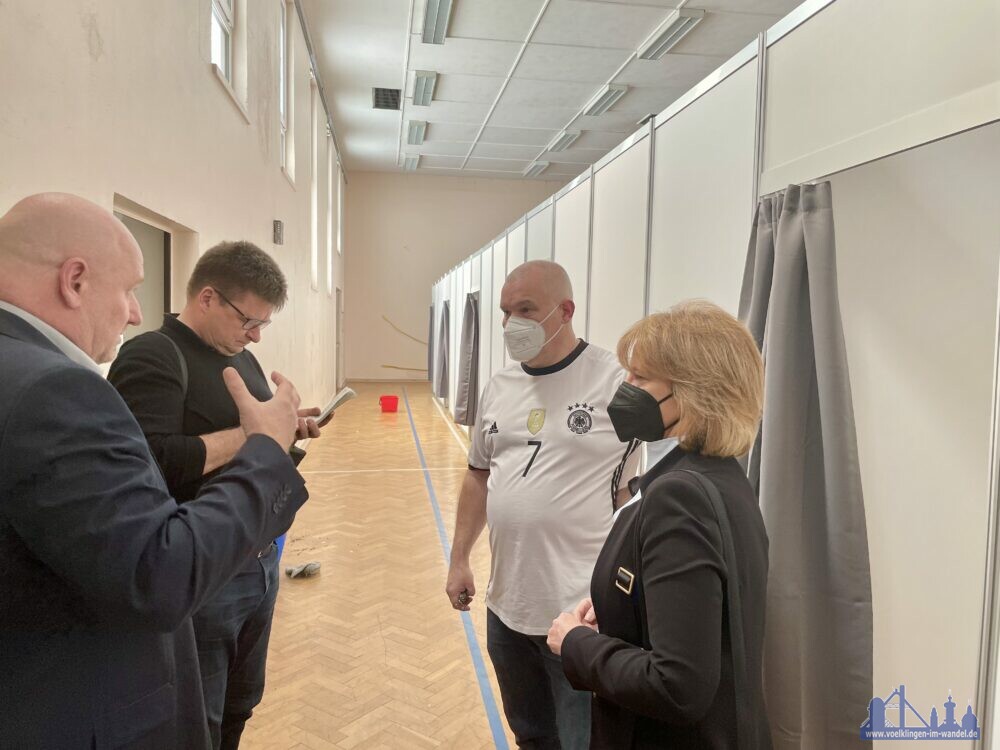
{"points": [[171, 379]]}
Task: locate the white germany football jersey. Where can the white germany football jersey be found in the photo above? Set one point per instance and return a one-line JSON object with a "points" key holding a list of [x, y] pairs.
{"points": [[545, 436]]}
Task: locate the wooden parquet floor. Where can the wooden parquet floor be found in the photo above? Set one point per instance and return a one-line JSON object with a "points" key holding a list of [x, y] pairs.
{"points": [[369, 654]]}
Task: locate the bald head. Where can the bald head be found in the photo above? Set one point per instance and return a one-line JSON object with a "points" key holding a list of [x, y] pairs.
{"points": [[70, 263], [544, 279]]}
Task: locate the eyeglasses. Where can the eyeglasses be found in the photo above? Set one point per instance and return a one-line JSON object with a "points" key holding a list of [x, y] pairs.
{"points": [[249, 324]]}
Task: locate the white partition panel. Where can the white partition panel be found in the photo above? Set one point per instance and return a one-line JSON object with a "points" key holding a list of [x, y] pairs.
{"points": [[474, 273], [703, 196], [917, 241], [515, 247], [863, 79], [540, 235], [571, 247], [498, 357], [618, 263], [486, 316], [436, 300], [455, 336]]}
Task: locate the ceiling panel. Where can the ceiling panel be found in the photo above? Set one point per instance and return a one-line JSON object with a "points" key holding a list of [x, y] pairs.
{"points": [[528, 92], [610, 122], [767, 7], [453, 162], [506, 151], [646, 100], [446, 131], [597, 140], [681, 71], [622, 3], [468, 56], [520, 136], [550, 62], [598, 24], [572, 156], [439, 148], [499, 165], [527, 117], [559, 169], [721, 34], [487, 19], [577, 47], [459, 112], [460, 88]]}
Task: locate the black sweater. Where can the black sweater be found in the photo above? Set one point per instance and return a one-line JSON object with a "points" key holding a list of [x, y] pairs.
{"points": [[148, 375]]}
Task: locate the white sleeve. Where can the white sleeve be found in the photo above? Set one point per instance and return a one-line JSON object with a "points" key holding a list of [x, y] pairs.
{"points": [[479, 452]]}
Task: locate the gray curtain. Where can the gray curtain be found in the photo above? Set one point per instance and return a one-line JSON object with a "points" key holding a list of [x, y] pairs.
{"points": [[430, 346], [441, 372], [466, 400], [818, 642]]}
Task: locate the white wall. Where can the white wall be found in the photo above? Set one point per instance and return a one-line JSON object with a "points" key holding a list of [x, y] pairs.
{"points": [[404, 232], [918, 240], [104, 98], [572, 247], [539, 239], [699, 245], [618, 250], [864, 79]]}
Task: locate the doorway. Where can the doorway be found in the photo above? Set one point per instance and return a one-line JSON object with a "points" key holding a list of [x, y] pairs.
{"points": [[154, 293]]}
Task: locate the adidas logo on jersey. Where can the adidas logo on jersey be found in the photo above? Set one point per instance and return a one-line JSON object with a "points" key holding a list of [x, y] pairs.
{"points": [[493, 429]]}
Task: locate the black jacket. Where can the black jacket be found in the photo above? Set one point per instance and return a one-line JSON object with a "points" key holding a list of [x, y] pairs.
{"points": [[678, 691], [100, 569]]}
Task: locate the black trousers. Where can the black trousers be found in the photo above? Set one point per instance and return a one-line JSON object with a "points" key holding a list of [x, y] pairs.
{"points": [[232, 633]]}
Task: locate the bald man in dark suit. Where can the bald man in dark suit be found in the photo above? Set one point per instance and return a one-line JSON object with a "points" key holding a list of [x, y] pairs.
{"points": [[100, 569]]}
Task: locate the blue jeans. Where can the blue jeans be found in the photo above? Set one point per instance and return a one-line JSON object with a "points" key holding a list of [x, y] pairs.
{"points": [[232, 631], [542, 708]]}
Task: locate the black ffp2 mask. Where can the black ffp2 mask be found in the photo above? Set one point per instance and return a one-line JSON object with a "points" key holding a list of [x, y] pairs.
{"points": [[635, 414]]}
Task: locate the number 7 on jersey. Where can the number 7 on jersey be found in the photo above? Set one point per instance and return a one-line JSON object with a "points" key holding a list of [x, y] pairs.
{"points": [[538, 447]]}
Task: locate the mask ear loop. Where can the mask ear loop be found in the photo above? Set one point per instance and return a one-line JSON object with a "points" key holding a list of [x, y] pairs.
{"points": [[672, 425], [616, 477]]}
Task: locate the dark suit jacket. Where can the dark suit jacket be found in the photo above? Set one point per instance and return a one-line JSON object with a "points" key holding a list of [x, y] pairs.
{"points": [[100, 569], [677, 691]]}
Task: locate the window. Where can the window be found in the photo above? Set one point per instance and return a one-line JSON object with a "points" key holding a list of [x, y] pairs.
{"points": [[314, 182], [222, 36], [283, 82], [331, 163]]}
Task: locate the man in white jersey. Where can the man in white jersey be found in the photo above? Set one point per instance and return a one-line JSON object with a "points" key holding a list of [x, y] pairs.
{"points": [[541, 465]]}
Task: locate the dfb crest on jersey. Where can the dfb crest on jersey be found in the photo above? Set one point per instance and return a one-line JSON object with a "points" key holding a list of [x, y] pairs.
{"points": [[536, 419], [580, 420]]}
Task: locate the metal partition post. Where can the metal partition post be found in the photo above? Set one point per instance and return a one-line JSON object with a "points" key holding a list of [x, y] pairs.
{"points": [[649, 214], [989, 640], [590, 244], [758, 142]]}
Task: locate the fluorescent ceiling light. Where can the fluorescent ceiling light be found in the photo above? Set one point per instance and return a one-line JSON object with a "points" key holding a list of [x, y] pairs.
{"points": [[605, 99], [436, 17], [668, 33], [416, 133], [564, 140], [423, 87], [410, 163], [536, 168]]}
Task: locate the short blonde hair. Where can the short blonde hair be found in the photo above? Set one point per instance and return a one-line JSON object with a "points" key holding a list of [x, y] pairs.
{"points": [[716, 370]]}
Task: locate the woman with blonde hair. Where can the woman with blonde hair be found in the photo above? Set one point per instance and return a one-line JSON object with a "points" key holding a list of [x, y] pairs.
{"points": [[670, 642]]}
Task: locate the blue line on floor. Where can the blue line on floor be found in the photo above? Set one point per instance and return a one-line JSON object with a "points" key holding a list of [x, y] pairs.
{"points": [[489, 702]]}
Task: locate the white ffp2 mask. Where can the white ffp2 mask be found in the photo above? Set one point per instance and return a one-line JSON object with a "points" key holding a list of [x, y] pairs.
{"points": [[525, 338]]}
